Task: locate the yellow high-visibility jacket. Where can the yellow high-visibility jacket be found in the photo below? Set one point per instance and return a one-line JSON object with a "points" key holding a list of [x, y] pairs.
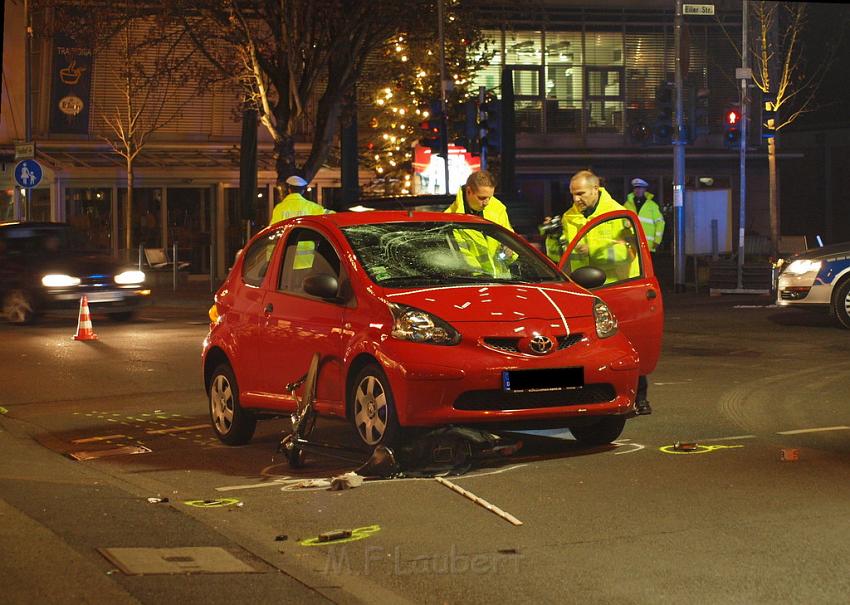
{"points": [[611, 246], [294, 205], [650, 218], [291, 206], [480, 251]]}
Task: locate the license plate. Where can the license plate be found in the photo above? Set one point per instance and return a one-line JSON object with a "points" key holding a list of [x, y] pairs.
{"points": [[96, 297], [549, 379]]}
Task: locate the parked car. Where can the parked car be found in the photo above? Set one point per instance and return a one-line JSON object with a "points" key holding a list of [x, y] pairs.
{"points": [[819, 277], [47, 267], [425, 320]]}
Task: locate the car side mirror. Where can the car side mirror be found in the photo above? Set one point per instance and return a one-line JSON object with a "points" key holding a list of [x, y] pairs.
{"points": [[323, 286], [588, 277]]}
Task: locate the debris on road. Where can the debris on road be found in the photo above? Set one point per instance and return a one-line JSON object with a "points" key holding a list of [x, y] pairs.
{"points": [[478, 500], [336, 534], [681, 446], [157, 500], [281, 538], [789, 454], [347, 481]]}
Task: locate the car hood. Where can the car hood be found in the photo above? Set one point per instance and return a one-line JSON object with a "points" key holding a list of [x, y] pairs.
{"points": [[826, 252], [80, 263], [482, 302]]}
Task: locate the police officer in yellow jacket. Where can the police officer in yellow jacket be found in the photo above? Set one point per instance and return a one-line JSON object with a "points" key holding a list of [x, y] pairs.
{"points": [[607, 246], [476, 198], [295, 204], [641, 202]]}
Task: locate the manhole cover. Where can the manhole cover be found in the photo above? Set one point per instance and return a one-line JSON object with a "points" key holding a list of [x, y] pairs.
{"points": [[194, 559]]}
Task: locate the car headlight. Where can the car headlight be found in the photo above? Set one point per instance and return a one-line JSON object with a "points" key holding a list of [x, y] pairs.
{"points": [[606, 323], [59, 280], [130, 277], [416, 325], [801, 267]]}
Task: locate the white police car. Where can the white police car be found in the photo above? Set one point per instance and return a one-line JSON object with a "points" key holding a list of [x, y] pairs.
{"points": [[818, 277]]}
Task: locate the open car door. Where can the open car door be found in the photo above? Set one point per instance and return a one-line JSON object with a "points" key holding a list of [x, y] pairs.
{"points": [[615, 243]]}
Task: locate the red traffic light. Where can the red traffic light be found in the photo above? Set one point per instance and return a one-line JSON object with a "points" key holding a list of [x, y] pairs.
{"points": [[733, 116]]}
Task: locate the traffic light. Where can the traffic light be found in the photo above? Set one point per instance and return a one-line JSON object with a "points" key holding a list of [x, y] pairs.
{"points": [[467, 128], [732, 126], [698, 124], [491, 124], [434, 134], [662, 129], [768, 115]]}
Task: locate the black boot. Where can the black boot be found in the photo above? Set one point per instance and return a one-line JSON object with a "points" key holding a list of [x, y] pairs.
{"points": [[642, 407]]}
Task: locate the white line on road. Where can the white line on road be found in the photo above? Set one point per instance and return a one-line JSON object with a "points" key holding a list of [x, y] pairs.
{"points": [[817, 430], [178, 429], [735, 438]]}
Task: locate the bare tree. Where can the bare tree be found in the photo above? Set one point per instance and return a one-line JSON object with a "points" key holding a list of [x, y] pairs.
{"points": [[149, 60], [780, 68], [297, 60]]}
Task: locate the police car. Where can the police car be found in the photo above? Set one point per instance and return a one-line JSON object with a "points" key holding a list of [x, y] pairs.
{"points": [[818, 277]]}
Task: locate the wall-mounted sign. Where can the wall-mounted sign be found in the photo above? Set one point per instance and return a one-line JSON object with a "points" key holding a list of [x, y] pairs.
{"points": [[24, 151], [698, 9], [71, 94]]}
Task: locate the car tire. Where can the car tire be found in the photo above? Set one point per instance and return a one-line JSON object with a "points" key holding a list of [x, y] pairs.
{"points": [[19, 307], [372, 408], [232, 424], [841, 304], [602, 432]]}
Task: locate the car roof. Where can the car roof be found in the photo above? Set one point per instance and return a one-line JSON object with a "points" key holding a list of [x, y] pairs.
{"points": [[347, 219]]}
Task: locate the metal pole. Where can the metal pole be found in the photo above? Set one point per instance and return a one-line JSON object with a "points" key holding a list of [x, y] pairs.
{"points": [[742, 217], [482, 134], [443, 86], [27, 203], [679, 163]]}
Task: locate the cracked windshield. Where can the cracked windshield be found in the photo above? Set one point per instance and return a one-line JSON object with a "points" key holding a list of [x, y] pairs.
{"points": [[399, 255]]}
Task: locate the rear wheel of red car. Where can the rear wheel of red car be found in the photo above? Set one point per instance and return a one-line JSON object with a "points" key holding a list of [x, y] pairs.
{"points": [[841, 304], [232, 424], [18, 307], [373, 408], [604, 431]]}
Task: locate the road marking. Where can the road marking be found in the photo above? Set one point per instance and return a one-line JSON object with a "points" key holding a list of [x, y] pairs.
{"points": [[700, 449], [92, 439], [735, 438], [624, 442], [118, 451], [217, 503], [358, 533], [817, 430], [230, 488], [178, 429]]}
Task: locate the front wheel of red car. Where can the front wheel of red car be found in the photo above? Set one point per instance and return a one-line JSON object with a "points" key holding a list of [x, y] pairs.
{"points": [[602, 432], [232, 424], [373, 408]]}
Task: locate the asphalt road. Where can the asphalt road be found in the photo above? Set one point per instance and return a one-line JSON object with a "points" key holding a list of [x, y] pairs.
{"points": [[638, 522]]}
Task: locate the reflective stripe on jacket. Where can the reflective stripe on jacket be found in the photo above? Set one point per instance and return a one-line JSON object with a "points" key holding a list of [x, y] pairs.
{"points": [[650, 218]]}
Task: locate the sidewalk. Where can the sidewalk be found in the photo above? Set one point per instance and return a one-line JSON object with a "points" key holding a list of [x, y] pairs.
{"points": [[195, 293]]}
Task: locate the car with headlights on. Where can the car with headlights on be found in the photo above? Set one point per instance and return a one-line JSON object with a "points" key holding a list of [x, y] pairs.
{"points": [[425, 320], [48, 267], [819, 277]]}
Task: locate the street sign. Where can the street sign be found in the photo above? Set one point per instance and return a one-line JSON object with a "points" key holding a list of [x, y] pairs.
{"points": [[28, 173], [743, 73], [698, 9], [24, 151]]}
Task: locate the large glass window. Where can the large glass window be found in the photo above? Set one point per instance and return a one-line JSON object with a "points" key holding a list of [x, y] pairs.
{"points": [[604, 99], [563, 81], [90, 210], [490, 76], [524, 48], [190, 226]]}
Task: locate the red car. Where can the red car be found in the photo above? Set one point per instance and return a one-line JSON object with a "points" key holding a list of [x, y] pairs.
{"points": [[431, 319]]}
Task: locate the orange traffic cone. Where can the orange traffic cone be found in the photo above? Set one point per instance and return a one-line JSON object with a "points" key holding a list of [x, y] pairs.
{"points": [[84, 327]]}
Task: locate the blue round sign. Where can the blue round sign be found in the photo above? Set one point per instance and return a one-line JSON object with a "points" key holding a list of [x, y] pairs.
{"points": [[28, 173]]}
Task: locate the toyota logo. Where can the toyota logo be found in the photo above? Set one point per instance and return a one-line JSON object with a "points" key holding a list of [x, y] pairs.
{"points": [[540, 344]]}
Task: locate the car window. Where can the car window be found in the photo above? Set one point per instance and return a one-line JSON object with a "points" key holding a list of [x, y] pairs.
{"points": [[612, 246], [258, 257], [307, 253], [409, 254], [40, 240]]}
